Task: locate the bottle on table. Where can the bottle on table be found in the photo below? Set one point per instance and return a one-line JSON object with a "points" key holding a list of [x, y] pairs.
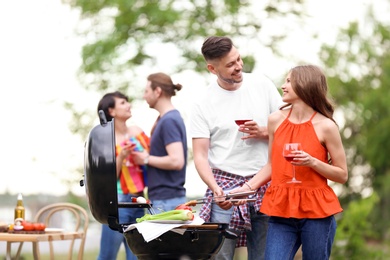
{"points": [[19, 209]]}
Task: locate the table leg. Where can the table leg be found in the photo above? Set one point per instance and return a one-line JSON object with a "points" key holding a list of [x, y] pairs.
{"points": [[8, 255], [19, 250], [36, 251]]}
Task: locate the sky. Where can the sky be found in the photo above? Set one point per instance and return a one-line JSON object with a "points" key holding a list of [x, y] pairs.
{"points": [[39, 59]]}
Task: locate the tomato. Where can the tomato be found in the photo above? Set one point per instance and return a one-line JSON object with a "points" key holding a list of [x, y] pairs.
{"points": [[183, 206], [27, 226], [39, 226]]}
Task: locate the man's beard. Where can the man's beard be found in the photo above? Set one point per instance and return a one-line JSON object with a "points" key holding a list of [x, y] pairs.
{"points": [[230, 81]]}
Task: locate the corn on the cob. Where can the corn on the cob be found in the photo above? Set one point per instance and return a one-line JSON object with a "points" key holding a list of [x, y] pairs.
{"points": [[176, 214]]}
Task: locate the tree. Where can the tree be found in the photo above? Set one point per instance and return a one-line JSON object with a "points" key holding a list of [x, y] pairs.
{"points": [[359, 66], [122, 36]]}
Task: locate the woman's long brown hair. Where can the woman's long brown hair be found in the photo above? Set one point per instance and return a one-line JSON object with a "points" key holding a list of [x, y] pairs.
{"points": [[310, 85]]}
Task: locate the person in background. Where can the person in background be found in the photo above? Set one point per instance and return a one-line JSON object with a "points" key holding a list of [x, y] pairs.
{"points": [[130, 175], [226, 153], [302, 213], [167, 159]]}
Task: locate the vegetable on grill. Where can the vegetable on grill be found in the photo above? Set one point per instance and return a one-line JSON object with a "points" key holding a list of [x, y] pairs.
{"points": [[176, 214]]}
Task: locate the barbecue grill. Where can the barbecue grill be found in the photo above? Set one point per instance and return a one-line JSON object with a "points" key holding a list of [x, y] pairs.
{"points": [[197, 242]]}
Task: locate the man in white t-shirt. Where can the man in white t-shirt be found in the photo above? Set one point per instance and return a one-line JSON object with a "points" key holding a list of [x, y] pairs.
{"points": [[226, 153]]}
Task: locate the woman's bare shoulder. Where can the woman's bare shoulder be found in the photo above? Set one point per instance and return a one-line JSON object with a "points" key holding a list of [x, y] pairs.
{"points": [[323, 121], [276, 118], [324, 125], [134, 130], [278, 115]]}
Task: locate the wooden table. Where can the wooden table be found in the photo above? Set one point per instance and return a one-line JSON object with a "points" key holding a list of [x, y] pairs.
{"points": [[35, 238]]}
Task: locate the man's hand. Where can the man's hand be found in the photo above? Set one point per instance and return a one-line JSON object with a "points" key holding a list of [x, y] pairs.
{"points": [[253, 130], [220, 199], [139, 157]]}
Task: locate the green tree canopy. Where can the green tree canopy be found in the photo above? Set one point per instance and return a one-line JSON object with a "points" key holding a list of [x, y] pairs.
{"points": [[359, 65], [122, 33]]}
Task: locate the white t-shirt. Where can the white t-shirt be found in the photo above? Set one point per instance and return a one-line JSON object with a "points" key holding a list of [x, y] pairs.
{"points": [[214, 116]]}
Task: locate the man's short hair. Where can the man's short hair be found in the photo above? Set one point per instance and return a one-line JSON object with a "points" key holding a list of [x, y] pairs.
{"points": [[216, 47]]}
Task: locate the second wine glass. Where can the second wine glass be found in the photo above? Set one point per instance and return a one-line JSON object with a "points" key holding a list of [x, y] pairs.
{"points": [[289, 152], [242, 122]]}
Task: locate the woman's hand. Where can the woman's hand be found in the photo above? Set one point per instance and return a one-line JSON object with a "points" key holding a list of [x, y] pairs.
{"points": [[126, 150], [239, 201], [302, 158]]}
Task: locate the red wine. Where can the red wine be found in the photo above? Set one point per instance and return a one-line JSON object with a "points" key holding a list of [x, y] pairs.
{"points": [[289, 157], [242, 121]]}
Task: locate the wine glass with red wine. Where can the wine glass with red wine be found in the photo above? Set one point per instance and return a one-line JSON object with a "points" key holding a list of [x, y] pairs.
{"points": [[289, 152], [242, 122]]}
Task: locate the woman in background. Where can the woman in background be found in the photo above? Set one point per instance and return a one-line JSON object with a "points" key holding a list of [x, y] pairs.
{"points": [[131, 182]]}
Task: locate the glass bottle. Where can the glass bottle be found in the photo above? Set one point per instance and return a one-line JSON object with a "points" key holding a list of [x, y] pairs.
{"points": [[19, 209]]}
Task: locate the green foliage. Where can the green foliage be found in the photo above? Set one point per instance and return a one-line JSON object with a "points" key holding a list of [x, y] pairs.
{"points": [[124, 37], [122, 33], [359, 80], [354, 230]]}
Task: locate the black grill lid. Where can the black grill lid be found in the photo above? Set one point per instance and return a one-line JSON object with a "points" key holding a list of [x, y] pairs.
{"points": [[100, 173]]}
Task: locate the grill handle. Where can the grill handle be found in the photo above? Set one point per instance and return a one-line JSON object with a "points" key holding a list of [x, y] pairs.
{"points": [[102, 118]]}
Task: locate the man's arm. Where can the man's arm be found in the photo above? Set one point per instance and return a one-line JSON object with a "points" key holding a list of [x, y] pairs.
{"points": [[200, 147], [173, 161]]}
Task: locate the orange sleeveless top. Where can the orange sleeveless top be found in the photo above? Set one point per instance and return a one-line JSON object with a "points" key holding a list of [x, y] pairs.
{"points": [[312, 198]]}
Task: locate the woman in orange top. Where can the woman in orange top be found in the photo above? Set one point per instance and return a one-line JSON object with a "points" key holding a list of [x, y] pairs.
{"points": [[302, 213]]}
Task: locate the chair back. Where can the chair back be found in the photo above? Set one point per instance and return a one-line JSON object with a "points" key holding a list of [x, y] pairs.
{"points": [[69, 217]]}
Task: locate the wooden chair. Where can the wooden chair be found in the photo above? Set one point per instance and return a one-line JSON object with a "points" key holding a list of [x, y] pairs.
{"points": [[74, 221]]}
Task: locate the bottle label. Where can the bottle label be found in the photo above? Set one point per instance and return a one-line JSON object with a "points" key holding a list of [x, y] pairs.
{"points": [[19, 213]]}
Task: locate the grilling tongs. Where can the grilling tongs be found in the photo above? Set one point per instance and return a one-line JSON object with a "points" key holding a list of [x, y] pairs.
{"points": [[232, 197]]}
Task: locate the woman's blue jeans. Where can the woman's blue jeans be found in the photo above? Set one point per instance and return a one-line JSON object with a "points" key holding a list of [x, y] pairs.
{"points": [[286, 235], [111, 240]]}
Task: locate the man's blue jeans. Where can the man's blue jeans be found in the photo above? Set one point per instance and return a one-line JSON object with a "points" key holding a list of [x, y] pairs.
{"points": [[168, 204], [111, 240], [256, 239], [286, 235]]}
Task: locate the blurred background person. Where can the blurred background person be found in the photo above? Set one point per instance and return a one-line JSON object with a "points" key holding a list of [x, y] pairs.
{"points": [[130, 175], [167, 159]]}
